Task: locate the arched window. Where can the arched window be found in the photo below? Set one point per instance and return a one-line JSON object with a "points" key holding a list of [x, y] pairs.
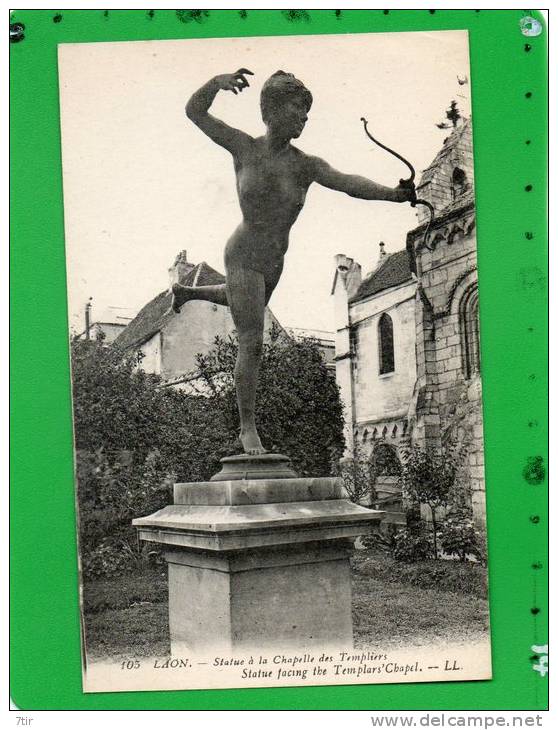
{"points": [[469, 328], [384, 461], [385, 344], [458, 183]]}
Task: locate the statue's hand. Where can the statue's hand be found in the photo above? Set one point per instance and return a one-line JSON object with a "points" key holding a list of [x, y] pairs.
{"points": [[406, 192], [234, 82]]}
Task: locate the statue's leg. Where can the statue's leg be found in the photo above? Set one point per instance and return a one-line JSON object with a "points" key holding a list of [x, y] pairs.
{"points": [[271, 280], [246, 296], [182, 294]]}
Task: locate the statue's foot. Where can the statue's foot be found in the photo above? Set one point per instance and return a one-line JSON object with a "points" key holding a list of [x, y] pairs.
{"points": [[251, 442], [180, 295]]}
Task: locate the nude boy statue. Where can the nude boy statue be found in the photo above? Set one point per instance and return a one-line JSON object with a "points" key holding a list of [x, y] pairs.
{"points": [[272, 179]]}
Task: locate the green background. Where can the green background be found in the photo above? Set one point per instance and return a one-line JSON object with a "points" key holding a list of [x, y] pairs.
{"points": [[45, 662]]}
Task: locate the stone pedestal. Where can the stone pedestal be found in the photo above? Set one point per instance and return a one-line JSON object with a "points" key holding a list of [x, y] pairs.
{"points": [[258, 563]]}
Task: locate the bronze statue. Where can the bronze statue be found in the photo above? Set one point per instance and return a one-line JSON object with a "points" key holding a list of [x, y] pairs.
{"points": [[272, 179]]}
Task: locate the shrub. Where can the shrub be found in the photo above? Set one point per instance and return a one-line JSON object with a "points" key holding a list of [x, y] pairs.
{"points": [[103, 560], [412, 545], [113, 488], [460, 537], [382, 540]]}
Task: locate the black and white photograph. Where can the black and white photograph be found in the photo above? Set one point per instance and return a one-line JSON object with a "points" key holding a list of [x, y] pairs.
{"points": [[273, 311]]}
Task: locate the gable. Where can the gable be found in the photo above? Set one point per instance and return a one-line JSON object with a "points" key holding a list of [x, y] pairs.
{"points": [[156, 313]]}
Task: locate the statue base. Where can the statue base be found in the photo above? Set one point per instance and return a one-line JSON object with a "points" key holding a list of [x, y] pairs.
{"points": [[258, 564], [260, 466]]}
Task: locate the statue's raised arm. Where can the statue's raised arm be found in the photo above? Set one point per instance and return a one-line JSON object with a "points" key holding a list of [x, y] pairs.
{"points": [[197, 109]]}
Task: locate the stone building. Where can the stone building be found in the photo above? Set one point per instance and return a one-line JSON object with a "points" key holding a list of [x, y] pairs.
{"points": [[407, 335], [376, 364], [170, 342], [448, 406], [108, 325]]}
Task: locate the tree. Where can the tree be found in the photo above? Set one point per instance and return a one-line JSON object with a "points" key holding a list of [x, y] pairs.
{"points": [[453, 113], [134, 437], [358, 477], [117, 406], [429, 477], [298, 408]]}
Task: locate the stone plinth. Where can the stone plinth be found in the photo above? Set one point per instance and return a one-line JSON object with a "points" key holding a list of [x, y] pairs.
{"points": [[258, 563], [261, 466]]}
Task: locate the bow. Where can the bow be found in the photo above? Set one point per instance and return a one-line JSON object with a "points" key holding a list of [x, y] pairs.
{"points": [[408, 182]]}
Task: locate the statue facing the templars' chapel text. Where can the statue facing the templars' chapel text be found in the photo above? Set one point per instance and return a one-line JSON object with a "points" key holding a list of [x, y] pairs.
{"points": [[272, 179]]}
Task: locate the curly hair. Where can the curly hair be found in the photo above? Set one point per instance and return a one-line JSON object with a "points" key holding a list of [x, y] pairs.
{"points": [[279, 87]]}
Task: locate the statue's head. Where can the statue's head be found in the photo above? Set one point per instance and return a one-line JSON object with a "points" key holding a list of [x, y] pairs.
{"points": [[285, 103]]}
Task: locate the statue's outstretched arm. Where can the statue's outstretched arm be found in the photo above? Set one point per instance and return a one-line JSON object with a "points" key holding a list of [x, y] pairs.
{"points": [[197, 109], [355, 185]]}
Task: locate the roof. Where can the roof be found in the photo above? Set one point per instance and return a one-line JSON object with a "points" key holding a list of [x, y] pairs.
{"points": [[393, 271], [321, 336], [156, 313]]}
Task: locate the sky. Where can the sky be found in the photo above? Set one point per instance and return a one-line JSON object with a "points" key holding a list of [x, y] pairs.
{"points": [[141, 182]]}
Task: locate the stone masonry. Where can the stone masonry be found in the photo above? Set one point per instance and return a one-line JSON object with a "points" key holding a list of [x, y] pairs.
{"points": [[433, 396], [447, 407]]}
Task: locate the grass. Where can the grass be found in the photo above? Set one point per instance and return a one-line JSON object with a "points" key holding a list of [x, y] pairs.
{"points": [[392, 613], [127, 616], [126, 591], [394, 605], [125, 633], [443, 575]]}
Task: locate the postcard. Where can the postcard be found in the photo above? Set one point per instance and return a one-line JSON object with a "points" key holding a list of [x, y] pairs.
{"points": [[273, 311]]}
